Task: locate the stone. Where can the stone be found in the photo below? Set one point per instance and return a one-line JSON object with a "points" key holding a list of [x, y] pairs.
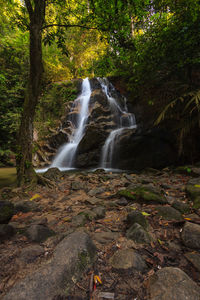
{"points": [[38, 233], [136, 217], [79, 220], [31, 253], [126, 259], [137, 233], [194, 259], [181, 206], [53, 174], [96, 191], [26, 206], [6, 231], [169, 213], [193, 191], [78, 185], [93, 201], [6, 211], [122, 201], [99, 212], [105, 236], [142, 194], [172, 283], [137, 151], [191, 235], [71, 257]]}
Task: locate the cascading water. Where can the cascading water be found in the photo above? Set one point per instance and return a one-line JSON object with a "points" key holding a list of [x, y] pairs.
{"points": [[124, 120], [64, 160]]}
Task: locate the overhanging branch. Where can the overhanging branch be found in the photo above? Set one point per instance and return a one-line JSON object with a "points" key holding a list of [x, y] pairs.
{"points": [[68, 25]]}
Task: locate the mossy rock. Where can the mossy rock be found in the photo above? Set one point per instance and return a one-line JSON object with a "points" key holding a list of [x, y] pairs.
{"points": [[6, 211], [142, 194]]}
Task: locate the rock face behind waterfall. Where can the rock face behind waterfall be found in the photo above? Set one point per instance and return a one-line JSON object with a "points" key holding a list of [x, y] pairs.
{"points": [[135, 149]]}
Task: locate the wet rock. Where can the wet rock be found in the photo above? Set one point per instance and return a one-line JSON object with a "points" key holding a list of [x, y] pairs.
{"points": [[172, 283], [58, 139], [6, 231], [181, 206], [137, 151], [6, 211], [105, 236], [193, 191], [31, 253], [38, 233], [53, 174], [126, 259], [191, 235], [194, 259], [142, 194], [136, 217], [169, 213], [71, 258], [137, 233]]}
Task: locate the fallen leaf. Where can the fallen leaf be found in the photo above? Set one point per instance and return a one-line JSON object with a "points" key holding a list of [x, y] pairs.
{"points": [[35, 197], [145, 213]]}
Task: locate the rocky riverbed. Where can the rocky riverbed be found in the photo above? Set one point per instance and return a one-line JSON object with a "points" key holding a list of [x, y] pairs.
{"points": [[99, 235]]}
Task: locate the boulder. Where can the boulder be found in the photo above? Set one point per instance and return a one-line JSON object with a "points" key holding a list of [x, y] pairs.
{"points": [[31, 253], [6, 211], [193, 191], [6, 231], [191, 235], [53, 174], [172, 283], [142, 194], [128, 259], [71, 258], [137, 151], [136, 217], [169, 213], [38, 233], [137, 233]]}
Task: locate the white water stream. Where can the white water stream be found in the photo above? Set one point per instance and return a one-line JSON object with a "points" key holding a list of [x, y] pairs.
{"points": [[64, 160], [124, 120]]}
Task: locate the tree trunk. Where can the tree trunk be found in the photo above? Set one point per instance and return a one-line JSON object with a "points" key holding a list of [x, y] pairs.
{"points": [[25, 171]]}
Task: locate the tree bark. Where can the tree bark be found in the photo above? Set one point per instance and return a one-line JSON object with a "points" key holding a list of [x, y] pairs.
{"points": [[25, 171]]}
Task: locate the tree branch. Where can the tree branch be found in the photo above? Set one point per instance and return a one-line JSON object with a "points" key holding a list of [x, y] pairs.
{"points": [[68, 25], [29, 7]]}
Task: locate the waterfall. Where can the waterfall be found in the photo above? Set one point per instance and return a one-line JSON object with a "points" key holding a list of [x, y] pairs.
{"points": [[124, 120], [64, 160]]}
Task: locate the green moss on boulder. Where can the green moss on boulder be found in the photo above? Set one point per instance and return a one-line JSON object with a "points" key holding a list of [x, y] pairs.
{"points": [[143, 194]]}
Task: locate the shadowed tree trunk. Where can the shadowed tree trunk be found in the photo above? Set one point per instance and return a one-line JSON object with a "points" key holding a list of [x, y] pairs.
{"points": [[25, 171]]}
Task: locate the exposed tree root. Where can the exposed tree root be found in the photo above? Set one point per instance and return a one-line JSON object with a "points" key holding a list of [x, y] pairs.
{"points": [[46, 182]]}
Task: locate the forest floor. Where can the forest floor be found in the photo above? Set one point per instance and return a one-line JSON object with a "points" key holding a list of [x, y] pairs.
{"points": [[95, 202]]}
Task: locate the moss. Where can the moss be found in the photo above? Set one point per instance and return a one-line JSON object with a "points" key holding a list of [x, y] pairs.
{"points": [[142, 194], [84, 260]]}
